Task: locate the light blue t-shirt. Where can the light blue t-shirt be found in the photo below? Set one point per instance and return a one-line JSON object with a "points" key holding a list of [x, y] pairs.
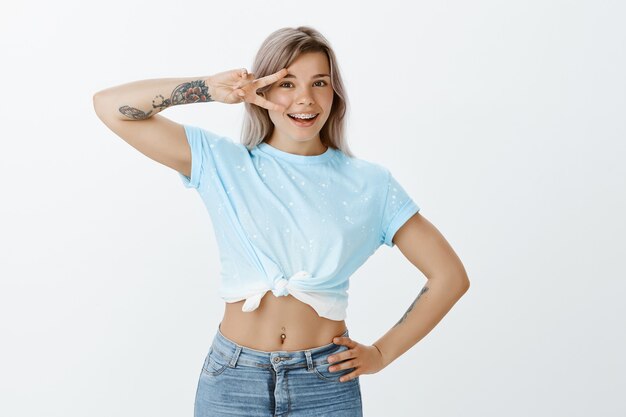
{"points": [[293, 224]]}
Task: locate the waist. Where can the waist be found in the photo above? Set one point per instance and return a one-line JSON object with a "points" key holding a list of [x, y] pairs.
{"points": [[279, 323], [227, 349]]}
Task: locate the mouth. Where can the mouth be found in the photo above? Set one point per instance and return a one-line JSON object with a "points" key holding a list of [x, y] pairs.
{"points": [[303, 119]]}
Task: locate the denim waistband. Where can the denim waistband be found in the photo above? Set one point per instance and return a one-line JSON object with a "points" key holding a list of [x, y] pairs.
{"points": [[238, 354]]}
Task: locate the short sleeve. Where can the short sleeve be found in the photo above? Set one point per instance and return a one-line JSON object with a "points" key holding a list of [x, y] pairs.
{"points": [[201, 143], [397, 209]]}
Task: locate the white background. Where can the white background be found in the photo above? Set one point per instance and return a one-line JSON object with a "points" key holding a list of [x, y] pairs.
{"points": [[505, 121]]}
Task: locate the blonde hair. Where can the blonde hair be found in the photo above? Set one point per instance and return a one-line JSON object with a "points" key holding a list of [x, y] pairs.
{"points": [[278, 51]]}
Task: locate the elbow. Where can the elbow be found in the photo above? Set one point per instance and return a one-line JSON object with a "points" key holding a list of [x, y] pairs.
{"points": [[463, 283], [462, 279], [460, 283], [102, 107], [97, 98], [456, 283], [466, 284]]}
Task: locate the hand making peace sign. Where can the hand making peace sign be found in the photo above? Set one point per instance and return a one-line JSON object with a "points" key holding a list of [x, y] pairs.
{"points": [[236, 86]]}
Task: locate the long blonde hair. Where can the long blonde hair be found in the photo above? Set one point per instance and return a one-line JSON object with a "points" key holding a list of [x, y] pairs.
{"points": [[278, 51]]}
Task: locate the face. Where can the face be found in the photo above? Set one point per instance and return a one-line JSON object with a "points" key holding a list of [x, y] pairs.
{"points": [[304, 91]]}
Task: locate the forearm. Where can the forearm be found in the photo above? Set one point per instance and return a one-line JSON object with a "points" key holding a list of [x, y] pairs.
{"points": [[139, 100], [433, 302]]}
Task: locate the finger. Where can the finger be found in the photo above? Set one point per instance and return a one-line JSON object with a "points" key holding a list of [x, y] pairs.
{"points": [[343, 341], [343, 365], [243, 73], [343, 356], [270, 79], [247, 79], [260, 101], [241, 94], [339, 357], [348, 377]]}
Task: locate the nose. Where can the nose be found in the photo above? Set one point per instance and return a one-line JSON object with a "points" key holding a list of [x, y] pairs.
{"points": [[305, 98], [307, 101]]}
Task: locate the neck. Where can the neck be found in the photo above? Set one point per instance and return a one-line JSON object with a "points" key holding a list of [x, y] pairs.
{"points": [[306, 148]]}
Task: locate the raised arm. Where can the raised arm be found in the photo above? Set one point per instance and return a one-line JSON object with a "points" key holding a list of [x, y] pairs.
{"points": [[130, 110]]}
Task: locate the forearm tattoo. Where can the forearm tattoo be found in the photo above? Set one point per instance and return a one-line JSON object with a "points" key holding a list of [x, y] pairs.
{"points": [[412, 305], [190, 92]]}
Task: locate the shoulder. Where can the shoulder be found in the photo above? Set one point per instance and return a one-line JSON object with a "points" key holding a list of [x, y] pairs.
{"points": [[213, 142], [375, 173], [363, 166]]}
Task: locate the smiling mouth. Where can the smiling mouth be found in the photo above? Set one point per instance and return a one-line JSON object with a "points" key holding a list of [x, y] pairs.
{"points": [[303, 119], [302, 122]]}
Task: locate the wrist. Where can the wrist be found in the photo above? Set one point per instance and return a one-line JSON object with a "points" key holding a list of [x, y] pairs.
{"points": [[381, 355], [208, 81]]}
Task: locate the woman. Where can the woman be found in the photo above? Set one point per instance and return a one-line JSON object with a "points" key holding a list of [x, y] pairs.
{"points": [[294, 214]]}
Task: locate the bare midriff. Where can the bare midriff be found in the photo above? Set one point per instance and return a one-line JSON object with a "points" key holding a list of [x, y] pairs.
{"points": [[279, 323]]}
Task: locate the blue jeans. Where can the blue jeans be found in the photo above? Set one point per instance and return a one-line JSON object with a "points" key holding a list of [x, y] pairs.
{"points": [[239, 381]]}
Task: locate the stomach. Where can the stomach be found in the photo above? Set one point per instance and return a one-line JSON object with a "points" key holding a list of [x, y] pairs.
{"points": [[279, 323]]}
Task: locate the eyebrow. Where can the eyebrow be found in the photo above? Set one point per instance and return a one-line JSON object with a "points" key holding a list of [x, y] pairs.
{"points": [[315, 76]]}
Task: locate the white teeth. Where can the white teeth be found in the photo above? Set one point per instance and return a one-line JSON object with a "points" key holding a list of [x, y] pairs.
{"points": [[303, 115]]}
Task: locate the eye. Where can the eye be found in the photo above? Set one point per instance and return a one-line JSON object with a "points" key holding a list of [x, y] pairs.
{"points": [[320, 81], [282, 84]]}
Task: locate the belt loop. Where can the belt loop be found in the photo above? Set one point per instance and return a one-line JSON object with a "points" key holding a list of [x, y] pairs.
{"points": [[235, 357], [309, 361]]}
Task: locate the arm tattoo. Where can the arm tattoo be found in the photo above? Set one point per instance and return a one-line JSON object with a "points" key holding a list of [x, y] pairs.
{"points": [[411, 306], [189, 92]]}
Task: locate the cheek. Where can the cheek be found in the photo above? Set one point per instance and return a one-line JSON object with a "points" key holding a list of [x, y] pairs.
{"points": [[326, 99], [275, 117], [276, 97]]}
